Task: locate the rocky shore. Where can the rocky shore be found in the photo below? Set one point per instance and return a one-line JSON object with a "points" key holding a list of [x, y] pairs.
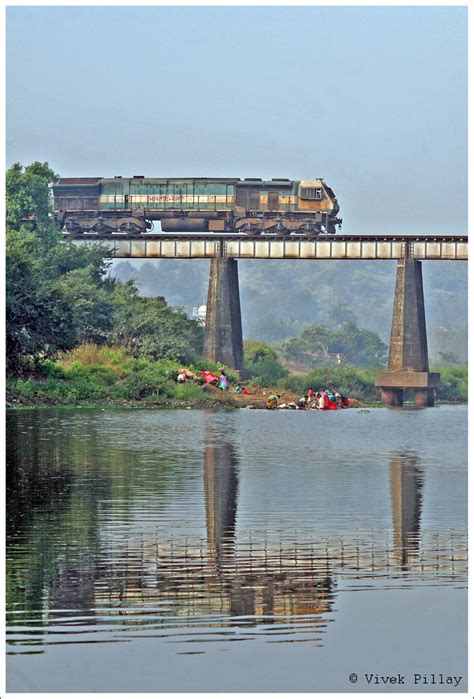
{"points": [[211, 397]]}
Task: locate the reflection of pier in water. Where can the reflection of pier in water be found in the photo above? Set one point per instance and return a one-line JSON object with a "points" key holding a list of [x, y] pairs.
{"points": [[276, 582], [280, 577], [406, 487], [248, 585], [183, 555]]}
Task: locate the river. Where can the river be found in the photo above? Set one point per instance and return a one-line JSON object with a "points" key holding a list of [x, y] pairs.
{"points": [[199, 551]]}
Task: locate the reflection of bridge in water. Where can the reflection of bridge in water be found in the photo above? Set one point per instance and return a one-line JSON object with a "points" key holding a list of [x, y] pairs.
{"points": [[276, 578], [228, 569]]}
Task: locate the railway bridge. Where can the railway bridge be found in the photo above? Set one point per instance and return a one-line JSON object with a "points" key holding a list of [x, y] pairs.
{"points": [[408, 366]]}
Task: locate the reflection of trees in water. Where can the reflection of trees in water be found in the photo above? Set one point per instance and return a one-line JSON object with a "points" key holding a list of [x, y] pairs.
{"points": [[37, 482], [58, 482], [53, 502]]}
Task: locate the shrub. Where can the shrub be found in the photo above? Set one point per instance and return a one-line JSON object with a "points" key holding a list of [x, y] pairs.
{"points": [[51, 369], [187, 391], [262, 363], [351, 382], [85, 354], [95, 374], [453, 383], [21, 387], [147, 383]]}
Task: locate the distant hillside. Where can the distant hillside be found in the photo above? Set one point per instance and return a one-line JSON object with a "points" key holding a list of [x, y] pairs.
{"points": [[280, 297]]}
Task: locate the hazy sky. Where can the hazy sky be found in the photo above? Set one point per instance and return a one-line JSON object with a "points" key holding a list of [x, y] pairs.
{"points": [[373, 99]]}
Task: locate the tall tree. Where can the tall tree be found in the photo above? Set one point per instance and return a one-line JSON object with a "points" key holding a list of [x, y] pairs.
{"points": [[43, 312]]}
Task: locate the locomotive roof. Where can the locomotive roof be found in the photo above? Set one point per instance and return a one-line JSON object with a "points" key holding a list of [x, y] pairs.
{"points": [[248, 181], [79, 180], [165, 180]]}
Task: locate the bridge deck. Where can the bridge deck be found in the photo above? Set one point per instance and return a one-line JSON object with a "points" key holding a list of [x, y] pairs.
{"points": [[338, 247]]}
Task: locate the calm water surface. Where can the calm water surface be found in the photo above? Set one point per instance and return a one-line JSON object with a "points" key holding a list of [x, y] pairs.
{"points": [[152, 551]]}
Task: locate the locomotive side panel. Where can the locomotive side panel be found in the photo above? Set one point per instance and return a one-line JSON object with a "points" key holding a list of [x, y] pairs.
{"points": [[112, 195], [253, 206], [77, 194]]}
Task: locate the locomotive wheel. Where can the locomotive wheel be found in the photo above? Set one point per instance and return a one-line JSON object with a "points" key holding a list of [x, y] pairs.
{"points": [[75, 231], [280, 230], [101, 226], [73, 227], [311, 231], [130, 225], [251, 230]]}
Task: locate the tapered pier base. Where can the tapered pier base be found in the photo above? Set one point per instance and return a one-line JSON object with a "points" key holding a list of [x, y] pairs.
{"points": [[408, 356]]}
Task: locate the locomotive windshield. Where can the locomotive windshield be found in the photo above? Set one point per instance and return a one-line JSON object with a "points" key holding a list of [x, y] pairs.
{"points": [[311, 193]]}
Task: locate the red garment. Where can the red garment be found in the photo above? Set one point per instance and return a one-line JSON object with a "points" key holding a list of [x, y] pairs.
{"points": [[328, 404], [209, 376]]}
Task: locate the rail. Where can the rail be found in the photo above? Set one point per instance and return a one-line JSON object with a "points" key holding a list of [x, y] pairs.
{"points": [[338, 247]]}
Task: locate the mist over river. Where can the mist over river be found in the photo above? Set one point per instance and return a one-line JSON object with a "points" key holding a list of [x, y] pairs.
{"points": [[199, 551]]}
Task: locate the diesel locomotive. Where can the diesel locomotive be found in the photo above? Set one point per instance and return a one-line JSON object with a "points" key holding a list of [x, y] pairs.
{"points": [[251, 206]]}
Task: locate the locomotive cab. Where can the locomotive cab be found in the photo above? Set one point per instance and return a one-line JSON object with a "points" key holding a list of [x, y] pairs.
{"points": [[315, 196]]}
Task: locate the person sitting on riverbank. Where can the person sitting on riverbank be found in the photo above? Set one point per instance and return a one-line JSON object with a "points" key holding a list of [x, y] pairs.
{"points": [[241, 390]]}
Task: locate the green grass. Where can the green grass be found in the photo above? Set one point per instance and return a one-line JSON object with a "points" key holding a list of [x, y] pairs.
{"points": [[90, 373]]}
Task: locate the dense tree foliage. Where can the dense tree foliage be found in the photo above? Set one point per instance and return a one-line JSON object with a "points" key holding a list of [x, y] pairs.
{"points": [[39, 318], [262, 363], [59, 295], [320, 345], [359, 383], [150, 329], [280, 297]]}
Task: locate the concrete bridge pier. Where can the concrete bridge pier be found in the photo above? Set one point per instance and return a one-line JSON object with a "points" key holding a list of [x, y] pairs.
{"points": [[223, 333], [408, 356]]}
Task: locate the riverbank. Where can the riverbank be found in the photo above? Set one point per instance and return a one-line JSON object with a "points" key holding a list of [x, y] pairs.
{"points": [[92, 375], [208, 397]]}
